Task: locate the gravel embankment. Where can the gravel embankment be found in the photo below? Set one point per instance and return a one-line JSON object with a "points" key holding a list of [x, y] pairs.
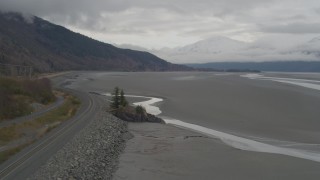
{"points": [[91, 154]]}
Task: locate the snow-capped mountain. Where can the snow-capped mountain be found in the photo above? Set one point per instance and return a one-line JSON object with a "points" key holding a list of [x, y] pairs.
{"points": [[208, 49], [315, 40], [221, 49], [309, 49], [213, 45]]}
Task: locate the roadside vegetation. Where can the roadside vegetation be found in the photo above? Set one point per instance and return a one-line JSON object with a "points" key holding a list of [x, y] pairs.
{"points": [[17, 95], [22, 134], [120, 108]]}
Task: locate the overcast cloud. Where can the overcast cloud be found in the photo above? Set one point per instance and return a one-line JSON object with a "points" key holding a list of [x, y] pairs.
{"points": [[171, 23]]}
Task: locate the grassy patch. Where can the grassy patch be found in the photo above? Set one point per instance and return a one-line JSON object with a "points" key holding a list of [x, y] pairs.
{"points": [[4, 155], [64, 112], [8, 133]]}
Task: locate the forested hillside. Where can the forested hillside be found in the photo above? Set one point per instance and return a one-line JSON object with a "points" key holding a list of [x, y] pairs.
{"points": [[48, 47]]}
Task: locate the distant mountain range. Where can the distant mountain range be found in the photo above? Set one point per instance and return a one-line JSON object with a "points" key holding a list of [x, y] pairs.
{"points": [[48, 47], [277, 66], [32, 41], [223, 49], [221, 53]]}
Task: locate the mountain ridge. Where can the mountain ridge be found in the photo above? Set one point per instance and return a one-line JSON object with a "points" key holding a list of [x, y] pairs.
{"points": [[276, 66], [49, 47]]}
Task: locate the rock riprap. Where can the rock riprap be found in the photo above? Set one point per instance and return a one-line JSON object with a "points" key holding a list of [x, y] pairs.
{"points": [[92, 154]]}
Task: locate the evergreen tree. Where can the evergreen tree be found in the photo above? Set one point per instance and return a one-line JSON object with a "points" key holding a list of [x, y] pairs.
{"points": [[123, 101], [115, 102]]}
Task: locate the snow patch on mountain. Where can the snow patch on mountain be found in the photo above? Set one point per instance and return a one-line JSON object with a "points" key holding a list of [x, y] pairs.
{"points": [[220, 49]]}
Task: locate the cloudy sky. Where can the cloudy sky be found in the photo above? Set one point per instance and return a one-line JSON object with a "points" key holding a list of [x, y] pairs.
{"points": [[172, 23]]}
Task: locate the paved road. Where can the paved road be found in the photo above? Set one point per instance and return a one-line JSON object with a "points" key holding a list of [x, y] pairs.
{"points": [[31, 158], [34, 115]]}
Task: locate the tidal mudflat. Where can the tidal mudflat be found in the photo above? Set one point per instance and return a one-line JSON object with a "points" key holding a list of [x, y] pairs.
{"points": [[230, 103], [279, 112]]}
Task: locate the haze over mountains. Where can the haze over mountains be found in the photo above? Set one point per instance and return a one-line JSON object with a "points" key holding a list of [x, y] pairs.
{"points": [[29, 40], [223, 49], [222, 53], [32, 41]]}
